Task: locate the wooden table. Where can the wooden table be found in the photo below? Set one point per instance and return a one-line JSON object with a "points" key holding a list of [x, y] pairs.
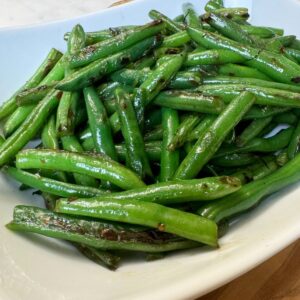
{"points": [[276, 279]]}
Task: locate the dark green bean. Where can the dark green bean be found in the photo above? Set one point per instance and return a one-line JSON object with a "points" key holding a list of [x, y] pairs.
{"points": [[183, 131], [273, 65], [114, 45], [29, 128], [171, 25], [190, 101], [51, 59], [137, 157], [96, 70], [257, 112], [154, 135], [177, 39], [252, 193], [286, 118], [34, 95], [264, 95], [235, 160], [101, 35], [96, 234], [251, 82], [155, 82], [253, 130], [100, 257], [169, 161], [147, 214], [202, 127], [241, 71], [271, 144], [210, 141], [191, 17], [237, 14], [99, 125], [213, 57], [95, 165], [51, 186], [293, 147], [229, 28]]}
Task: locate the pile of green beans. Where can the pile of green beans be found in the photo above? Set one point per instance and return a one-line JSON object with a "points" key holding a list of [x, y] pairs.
{"points": [[155, 136]]}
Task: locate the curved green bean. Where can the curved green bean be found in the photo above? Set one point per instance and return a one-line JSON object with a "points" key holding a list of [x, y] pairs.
{"points": [[95, 165], [51, 186]]}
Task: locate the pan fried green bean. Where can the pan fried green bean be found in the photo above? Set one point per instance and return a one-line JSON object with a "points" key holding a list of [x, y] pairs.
{"points": [[165, 130]]}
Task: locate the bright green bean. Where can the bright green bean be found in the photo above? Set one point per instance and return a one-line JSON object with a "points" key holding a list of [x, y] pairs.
{"points": [[209, 143]]}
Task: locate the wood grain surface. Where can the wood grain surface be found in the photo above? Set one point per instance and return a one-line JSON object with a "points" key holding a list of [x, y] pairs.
{"points": [[276, 279]]}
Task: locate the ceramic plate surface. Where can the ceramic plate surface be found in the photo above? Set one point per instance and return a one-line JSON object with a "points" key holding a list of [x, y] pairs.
{"points": [[35, 268]]}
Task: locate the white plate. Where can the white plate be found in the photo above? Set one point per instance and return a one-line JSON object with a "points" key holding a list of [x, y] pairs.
{"points": [[34, 268]]}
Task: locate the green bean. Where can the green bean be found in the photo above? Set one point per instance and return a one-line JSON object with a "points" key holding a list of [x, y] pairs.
{"points": [[286, 118], [2, 140], [262, 32], [237, 14], [114, 45], [137, 157], [268, 130], [264, 95], [294, 53], [202, 127], [34, 95], [210, 141], [273, 65], [212, 5], [282, 158], [235, 160], [170, 25], [144, 213], [182, 80], [96, 70], [169, 161], [213, 57], [29, 128], [50, 141], [98, 122], [21, 113], [271, 144], [258, 112], [49, 137], [183, 131], [175, 192], [51, 186], [191, 18], [94, 233], [51, 59], [66, 112], [70, 143], [16, 119], [154, 135], [295, 44], [189, 101], [241, 71], [144, 62], [153, 118], [100, 257], [263, 167], [252, 193], [229, 28], [253, 130], [177, 39], [95, 165], [155, 82], [293, 146], [101, 35]]}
